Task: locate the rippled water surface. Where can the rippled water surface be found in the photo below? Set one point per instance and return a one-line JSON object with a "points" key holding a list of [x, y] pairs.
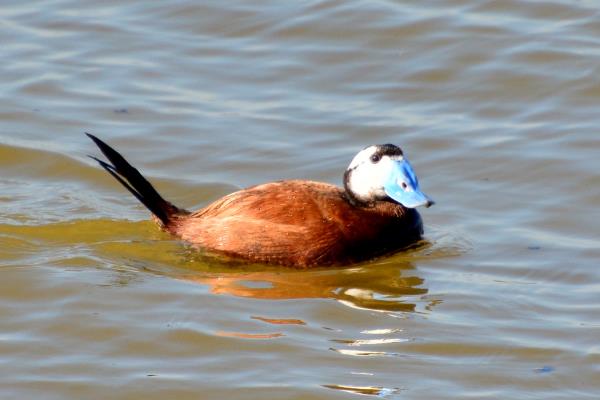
{"points": [[495, 102]]}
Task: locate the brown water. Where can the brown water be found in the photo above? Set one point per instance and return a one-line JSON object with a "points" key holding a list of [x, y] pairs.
{"points": [[495, 102]]}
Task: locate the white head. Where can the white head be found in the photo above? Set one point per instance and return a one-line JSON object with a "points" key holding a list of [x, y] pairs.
{"points": [[381, 172]]}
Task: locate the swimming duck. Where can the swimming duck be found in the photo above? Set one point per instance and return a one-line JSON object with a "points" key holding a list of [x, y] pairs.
{"points": [[297, 222]]}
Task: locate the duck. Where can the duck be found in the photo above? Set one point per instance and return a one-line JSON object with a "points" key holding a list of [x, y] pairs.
{"points": [[297, 223]]}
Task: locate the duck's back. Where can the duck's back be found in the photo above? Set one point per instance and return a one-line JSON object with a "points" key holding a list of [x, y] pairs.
{"points": [[300, 223]]}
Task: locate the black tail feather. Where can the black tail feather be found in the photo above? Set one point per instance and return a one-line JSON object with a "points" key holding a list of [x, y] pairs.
{"points": [[135, 183]]}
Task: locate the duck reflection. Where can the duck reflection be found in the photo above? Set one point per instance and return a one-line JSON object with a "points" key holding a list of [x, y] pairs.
{"points": [[364, 390], [388, 285]]}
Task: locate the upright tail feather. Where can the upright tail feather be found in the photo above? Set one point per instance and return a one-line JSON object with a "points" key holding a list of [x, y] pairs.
{"points": [[133, 181]]}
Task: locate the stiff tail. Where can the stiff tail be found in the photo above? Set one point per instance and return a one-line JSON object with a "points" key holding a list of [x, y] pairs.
{"points": [[133, 181]]}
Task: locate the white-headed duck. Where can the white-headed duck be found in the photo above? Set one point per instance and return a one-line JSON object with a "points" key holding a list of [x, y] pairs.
{"points": [[297, 222]]}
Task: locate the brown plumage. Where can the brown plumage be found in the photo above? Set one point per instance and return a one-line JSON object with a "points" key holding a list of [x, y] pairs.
{"points": [[295, 223]]}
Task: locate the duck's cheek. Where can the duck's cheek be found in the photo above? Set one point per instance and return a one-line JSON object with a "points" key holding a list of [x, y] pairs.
{"points": [[361, 184]]}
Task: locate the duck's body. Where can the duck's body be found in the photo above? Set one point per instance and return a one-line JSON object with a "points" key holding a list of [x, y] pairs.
{"points": [[299, 223], [296, 223]]}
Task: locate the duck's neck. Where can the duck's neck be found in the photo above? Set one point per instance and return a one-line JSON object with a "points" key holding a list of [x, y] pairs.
{"points": [[353, 200], [356, 201], [385, 205], [349, 195]]}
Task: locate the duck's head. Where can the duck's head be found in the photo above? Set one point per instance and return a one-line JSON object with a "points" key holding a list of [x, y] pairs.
{"points": [[382, 172]]}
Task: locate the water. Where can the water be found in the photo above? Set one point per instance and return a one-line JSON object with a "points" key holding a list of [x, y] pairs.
{"points": [[495, 103]]}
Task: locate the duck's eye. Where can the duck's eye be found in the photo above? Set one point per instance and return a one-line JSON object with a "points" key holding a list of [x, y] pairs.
{"points": [[375, 158], [404, 185]]}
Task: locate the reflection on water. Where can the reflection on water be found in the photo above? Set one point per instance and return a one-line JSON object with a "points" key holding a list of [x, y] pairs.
{"points": [[249, 335], [385, 287], [280, 321], [364, 390]]}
